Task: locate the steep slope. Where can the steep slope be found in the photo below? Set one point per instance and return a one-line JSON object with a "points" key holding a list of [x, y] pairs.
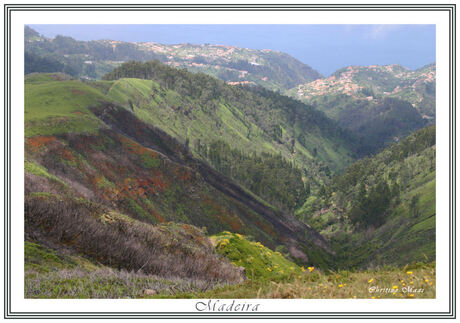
{"points": [[381, 210], [200, 109], [92, 59], [120, 164]]}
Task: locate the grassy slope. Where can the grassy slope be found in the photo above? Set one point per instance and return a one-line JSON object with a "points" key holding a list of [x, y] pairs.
{"points": [[259, 261], [56, 107], [403, 238], [165, 109], [86, 159], [159, 110], [98, 164], [52, 274], [56, 274], [421, 283]]}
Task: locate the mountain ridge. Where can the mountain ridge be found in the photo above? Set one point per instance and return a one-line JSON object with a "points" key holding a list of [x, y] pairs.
{"points": [[273, 69]]}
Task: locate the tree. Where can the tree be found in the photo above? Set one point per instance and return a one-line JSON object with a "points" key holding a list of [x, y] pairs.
{"points": [[413, 205]]}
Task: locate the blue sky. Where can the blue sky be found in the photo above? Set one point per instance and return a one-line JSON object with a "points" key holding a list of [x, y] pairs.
{"points": [[326, 48]]}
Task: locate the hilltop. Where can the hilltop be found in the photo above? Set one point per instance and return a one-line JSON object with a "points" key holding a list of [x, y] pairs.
{"points": [[375, 82], [379, 104], [92, 59]]}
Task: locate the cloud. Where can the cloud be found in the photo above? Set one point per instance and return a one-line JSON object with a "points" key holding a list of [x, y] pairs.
{"points": [[381, 31]]}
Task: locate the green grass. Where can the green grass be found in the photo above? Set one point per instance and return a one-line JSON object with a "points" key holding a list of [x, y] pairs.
{"points": [[368, 284], [259, 261], [49, 274], [46, 77], [57, 107], [39, 170], [184, 118]]}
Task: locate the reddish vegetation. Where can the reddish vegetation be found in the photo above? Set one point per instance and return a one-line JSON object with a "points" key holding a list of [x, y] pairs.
{"points": [[222, 214], [67, 154], [38, 142], [266, 227], [184, 174], [158, 217], [135, 148], [129, 187]]}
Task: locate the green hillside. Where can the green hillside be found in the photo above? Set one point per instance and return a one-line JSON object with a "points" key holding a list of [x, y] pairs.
{"points": [[200, 109], [376, 124], [158, 182], [381, 210], [81, 144], [58, 106]]}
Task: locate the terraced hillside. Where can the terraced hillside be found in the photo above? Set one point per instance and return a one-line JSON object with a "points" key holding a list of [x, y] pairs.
{"points": [[379, 104], [375, 82]]}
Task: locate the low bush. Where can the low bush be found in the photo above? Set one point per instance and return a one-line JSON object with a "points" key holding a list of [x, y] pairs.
{"points": [[171, 250]]}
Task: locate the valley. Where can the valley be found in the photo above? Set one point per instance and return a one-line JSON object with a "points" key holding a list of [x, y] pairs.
{"points": [[212, 171]]}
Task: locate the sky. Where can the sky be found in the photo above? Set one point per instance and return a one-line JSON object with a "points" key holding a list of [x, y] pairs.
{"points": [[325, 48]]}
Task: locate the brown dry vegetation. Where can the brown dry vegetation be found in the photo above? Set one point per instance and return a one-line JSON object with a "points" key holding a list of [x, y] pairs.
{"points": [[121, 242]]}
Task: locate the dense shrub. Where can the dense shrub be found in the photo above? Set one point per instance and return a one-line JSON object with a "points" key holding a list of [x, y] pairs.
{"points": [[115, 240]]}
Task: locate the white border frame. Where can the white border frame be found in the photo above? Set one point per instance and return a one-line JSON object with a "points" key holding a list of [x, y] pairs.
{"points": [[439, 18]]}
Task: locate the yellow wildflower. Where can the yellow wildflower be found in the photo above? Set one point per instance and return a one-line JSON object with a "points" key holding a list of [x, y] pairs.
{"points": [[340, 285], [370, 280], [275, 266], [311, 269], [426, 280], [411, 295], [411, 282], [409, 272], [303, 269], [431, 283], [269, 269], [291, 268], [354, 297], [394, 294], [395, 287], [373, 297]]}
